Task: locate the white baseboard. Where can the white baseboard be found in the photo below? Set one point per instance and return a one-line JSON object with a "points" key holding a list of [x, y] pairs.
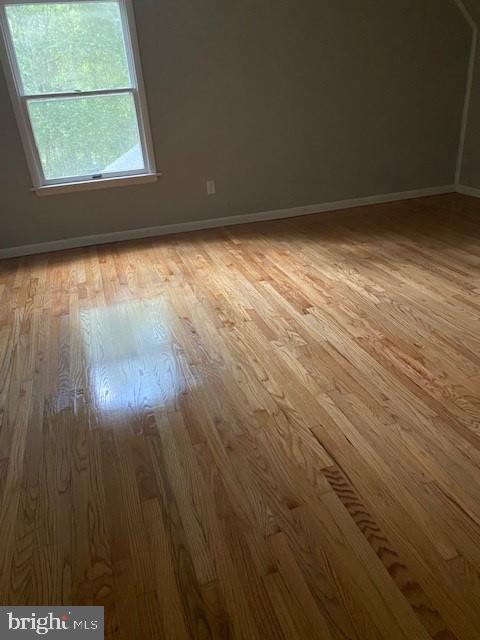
{"points": [[467, 191], [148, 232]]}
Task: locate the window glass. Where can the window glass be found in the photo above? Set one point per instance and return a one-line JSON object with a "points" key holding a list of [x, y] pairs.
{"points": [[86, 135], [67, 47]]}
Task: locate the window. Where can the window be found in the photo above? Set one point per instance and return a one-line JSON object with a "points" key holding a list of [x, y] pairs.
{"points": [[75, 80]]}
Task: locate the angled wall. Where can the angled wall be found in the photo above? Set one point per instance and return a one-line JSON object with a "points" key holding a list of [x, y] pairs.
{"points": [[470, 174], [284, 103]]}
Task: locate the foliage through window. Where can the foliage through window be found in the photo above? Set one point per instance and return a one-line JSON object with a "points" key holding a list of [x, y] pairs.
{"points": [[73, 67]]}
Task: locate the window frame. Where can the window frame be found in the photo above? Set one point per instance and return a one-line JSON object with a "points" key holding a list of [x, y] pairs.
{"points": [[136, 90]]}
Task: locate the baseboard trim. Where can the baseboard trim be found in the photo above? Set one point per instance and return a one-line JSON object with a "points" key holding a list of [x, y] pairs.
{"points": [[468, 191], [277, 214]]}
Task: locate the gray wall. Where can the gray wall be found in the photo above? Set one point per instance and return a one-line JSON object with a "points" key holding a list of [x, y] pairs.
{"points": [[283, 102], [471, 160]]}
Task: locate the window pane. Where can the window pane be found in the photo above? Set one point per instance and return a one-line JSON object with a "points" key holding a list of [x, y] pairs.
{"points": [[74, 46], [87, 135]]}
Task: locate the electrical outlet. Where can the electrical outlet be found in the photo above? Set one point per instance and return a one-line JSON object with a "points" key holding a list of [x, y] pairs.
{"points": [[211, 188]]}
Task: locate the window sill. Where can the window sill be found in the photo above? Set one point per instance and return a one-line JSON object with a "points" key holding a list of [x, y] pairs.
{"points": [[89, 185]]}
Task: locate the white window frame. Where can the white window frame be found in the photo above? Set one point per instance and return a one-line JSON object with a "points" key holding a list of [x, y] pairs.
{"points": [[19, 99]]}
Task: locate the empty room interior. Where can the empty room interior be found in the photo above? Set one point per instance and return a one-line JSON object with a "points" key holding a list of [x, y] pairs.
{"points": [[240, 319]]}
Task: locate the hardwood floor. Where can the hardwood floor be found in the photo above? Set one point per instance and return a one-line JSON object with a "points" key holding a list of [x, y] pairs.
{"points": [[263, 432]]}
